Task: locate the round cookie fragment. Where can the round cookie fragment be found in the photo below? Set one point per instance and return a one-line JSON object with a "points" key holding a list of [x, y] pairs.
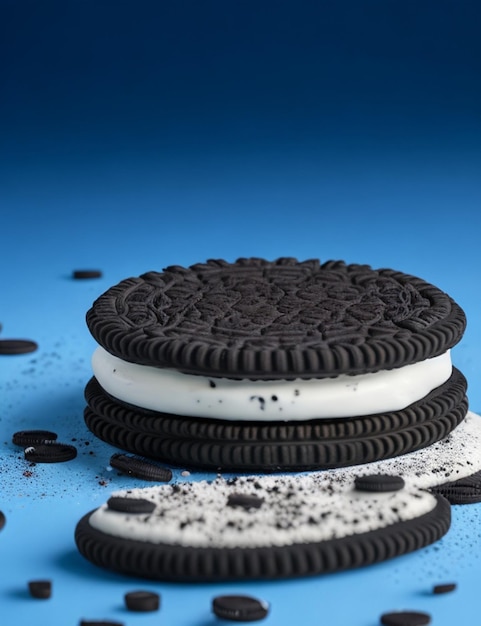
{"points": [[142, 601], [17, 346], [32, 437], [40, 589], [130, 505], [50, 453], [466, 490], [86, 274], [140, 468], [239, 608], [444, 588], [376, 483], [405, 618], [244, 500]]}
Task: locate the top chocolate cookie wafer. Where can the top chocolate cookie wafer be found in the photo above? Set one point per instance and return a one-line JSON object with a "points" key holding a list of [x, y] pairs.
{"points": [[272, 320]]}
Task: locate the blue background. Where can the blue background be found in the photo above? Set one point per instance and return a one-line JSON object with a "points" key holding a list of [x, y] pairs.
{"points": [[135, 137]]}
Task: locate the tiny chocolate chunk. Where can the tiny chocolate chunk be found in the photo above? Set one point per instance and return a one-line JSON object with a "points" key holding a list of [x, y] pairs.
{"points": [[3, 520], [244, 500], [17, 346], [240, 608], [140, 468], [80, 274], [142, 601], [405, 618], [378, 483], [41, 589], [31, 437], [50, 453], [444, 588], [130, 505]]}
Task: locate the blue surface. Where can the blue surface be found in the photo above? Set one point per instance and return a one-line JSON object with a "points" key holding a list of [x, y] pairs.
{"points": [[132, 141]]}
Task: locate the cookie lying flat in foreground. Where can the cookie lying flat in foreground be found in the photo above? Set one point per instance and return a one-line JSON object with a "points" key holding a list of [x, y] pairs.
{"points": [[260, 527], [259, 366]]}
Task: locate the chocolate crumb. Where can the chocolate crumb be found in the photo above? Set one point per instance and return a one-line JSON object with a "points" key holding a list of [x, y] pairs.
{"points": [[246, 501], [239, 608], [85, 274], [444, 588], [405, 618], [40, 589], [17, 346], [142, 601]]}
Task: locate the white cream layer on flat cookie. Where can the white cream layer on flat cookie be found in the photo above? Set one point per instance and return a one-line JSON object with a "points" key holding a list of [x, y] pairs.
{"points": [[170, 391], [295, 509]]}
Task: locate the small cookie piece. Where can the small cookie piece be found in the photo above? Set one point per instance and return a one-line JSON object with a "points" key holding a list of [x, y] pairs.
{"points": [[466, 490], [50, 453], [405, 618], [245, 500], [444, 588], [84, 274], [40, 589], [140, 468], [32, 437], [378, 483], [17, 346], [240, 608], [142, 601], [130, 505]]}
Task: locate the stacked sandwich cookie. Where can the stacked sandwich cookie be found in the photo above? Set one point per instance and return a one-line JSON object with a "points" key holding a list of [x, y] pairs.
{"points": [[274, 366], [283, 366]]}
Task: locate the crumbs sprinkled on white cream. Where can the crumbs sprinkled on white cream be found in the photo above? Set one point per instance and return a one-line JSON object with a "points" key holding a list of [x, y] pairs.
{"points": [[295, 509]]}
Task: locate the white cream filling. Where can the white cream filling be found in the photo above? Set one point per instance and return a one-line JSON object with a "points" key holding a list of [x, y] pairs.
{"points": [[296, 509], [170, 391]]}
